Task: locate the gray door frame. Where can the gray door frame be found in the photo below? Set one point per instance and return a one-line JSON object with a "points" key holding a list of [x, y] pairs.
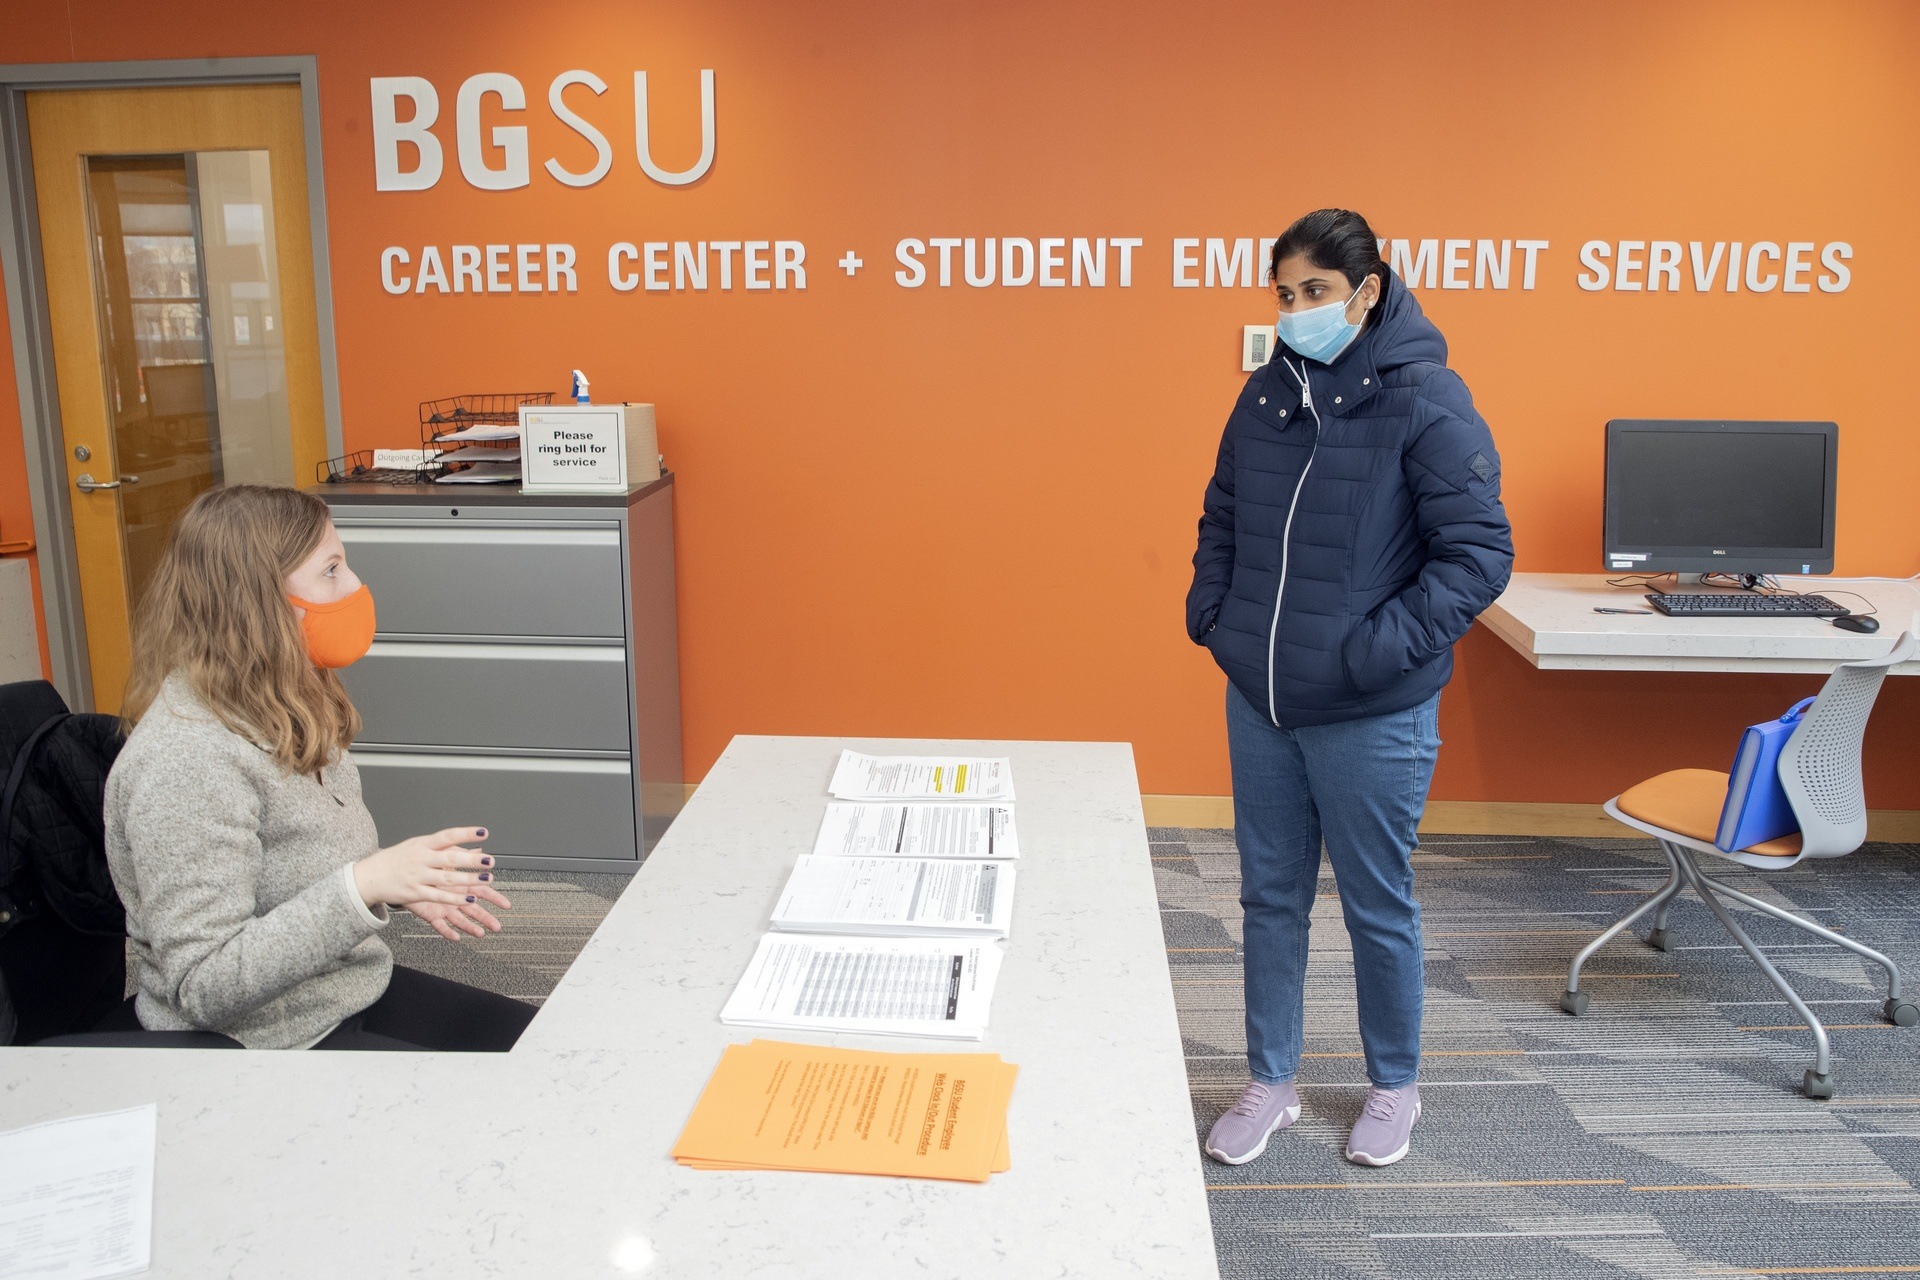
{"points": [[27, 314]]}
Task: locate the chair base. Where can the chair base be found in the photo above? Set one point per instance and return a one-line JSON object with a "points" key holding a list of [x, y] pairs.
{"points": [[1684, 873]]}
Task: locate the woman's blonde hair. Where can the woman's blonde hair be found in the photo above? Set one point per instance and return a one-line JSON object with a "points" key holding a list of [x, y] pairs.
{"points": [[216, 610]]}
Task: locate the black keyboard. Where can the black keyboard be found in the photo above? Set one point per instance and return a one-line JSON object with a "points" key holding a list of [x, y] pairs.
{"points": [[1741, 605]]}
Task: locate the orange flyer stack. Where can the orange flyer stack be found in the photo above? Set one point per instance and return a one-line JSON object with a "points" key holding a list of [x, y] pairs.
{"points": [[774, 1105]]}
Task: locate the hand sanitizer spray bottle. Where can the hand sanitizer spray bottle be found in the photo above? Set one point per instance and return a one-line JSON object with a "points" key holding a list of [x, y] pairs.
{"points": [[579, 387]]}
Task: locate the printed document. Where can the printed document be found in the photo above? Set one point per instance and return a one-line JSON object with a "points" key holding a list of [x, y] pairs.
{"points": [[864, 777], [76, 1196], [888, 986], [905, 897], [479, 453], [918, 831], [484, 431], [772, 1105]]}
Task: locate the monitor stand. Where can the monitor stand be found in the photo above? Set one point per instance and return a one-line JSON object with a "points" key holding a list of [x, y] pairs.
{"points": [[1700, 580]]}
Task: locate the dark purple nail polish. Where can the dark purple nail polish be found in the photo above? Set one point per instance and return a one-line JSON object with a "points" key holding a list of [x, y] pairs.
{"points": [[486, 862], [485, 876], [481, 831], [469, 897]]}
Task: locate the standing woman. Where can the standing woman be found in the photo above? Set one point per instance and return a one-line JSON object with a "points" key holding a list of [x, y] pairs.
{"points": [[252, 876], [1352, 532]]}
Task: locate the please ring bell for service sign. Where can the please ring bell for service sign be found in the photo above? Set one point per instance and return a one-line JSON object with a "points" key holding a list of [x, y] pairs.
{"points": [[587, 448]]}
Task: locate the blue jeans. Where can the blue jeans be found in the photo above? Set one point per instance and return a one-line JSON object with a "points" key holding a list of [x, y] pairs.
{"points": [[1360, 785]]}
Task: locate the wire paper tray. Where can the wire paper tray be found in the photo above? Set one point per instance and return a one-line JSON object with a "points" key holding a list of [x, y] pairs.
{"points": [[358, 468], [440, 419]]}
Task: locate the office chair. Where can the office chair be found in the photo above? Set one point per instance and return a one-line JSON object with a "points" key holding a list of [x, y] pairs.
{"points": [[1820, 771], [62, 930]]}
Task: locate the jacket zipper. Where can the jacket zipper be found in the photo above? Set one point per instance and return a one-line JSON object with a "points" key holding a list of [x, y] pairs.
{"points": [[1286, 534]]}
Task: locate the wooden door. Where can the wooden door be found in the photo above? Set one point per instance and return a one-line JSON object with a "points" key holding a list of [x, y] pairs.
{"points": [[180, 285]]}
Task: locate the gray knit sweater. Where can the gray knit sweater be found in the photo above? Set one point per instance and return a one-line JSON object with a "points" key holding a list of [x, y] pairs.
{"points": [[237, 881]]}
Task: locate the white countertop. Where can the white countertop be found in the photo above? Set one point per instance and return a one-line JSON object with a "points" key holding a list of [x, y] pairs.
{"points": [[1549, 618], [548, 1160]]}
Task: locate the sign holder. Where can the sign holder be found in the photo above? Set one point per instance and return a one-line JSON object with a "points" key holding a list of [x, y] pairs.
{"points": [[582, 448]]}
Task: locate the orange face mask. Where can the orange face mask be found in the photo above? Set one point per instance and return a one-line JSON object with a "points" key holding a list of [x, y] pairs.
{"points": [[338, 634]]}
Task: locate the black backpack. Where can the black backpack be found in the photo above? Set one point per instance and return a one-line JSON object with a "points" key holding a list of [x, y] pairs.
{"points": [[62, 926]]}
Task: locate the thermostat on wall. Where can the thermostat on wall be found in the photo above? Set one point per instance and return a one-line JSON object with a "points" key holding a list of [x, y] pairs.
{"points": [[1256, 346]]}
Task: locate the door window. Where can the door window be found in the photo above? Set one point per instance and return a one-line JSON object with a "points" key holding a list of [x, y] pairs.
{"points": [[188, 307]]}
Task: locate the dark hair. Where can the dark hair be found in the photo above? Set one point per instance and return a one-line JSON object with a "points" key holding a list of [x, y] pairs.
{"points": [[1333, 240]]}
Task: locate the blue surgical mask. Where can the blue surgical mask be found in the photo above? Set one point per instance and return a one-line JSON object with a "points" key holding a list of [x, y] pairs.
{"points": [[1319, 333]]}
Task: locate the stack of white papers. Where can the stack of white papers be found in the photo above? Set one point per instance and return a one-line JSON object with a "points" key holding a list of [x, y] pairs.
{"points": [[919, 831], [887, 986], [485, 431], [480, 453], [484, 473], [911, 884], [76, 1196], [898, 897], [864, 777]]}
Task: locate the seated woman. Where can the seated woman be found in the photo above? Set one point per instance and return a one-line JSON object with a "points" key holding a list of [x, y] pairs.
{"points": [[253, 879]]}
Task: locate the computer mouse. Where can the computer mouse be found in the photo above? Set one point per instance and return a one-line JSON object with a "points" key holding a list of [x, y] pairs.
{"points": [[1857, 622]]}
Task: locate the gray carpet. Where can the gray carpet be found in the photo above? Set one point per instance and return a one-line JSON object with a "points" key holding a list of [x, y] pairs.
{"points": [[553, 915], [1660, 1136]]}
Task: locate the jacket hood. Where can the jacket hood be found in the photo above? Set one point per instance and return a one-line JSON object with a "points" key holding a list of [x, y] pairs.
{"points": [[1402, 334]]}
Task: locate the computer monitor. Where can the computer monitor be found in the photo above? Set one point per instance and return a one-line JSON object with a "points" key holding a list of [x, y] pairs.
{"points": [[1720, 497]]}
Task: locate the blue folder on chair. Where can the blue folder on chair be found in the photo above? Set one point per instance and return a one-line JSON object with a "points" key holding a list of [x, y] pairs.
{"points": [[1757, 810]]}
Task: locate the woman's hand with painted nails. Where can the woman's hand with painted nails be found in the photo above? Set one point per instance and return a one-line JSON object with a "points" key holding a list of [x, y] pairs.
{"points": [[469, 917], [437, 868]]}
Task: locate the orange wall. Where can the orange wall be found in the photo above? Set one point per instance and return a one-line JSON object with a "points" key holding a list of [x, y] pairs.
{"points": [[969, 512], [16, 508]]}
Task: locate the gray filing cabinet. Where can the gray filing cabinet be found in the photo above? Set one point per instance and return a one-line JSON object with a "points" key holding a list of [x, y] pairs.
{"points": [[525, 676]]}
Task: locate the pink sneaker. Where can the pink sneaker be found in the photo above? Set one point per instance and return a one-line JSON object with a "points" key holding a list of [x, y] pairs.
{"points": [[1384, 1130], [1263, 1110]]}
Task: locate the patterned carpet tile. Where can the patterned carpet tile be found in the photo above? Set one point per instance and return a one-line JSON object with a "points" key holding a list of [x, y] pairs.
{"points": [[1660, 1135], [553, 915]]}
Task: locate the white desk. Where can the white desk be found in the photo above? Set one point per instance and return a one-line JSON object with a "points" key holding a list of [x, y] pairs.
{"points": [[1549, 618], [542, 1162]]}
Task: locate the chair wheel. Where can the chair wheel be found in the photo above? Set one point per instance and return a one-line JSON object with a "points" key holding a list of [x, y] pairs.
{"points": [[1573, 1002], [1658, 940], [1901, 1013], [1818, 1085]]}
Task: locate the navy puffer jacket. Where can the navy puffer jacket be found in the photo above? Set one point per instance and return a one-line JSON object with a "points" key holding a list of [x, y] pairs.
{"points": [[1353, 528]]}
